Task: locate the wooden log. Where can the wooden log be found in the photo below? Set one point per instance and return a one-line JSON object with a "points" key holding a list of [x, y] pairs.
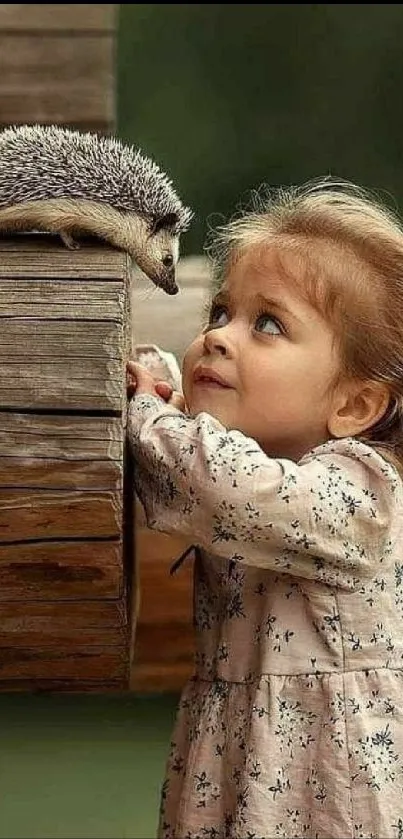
{"points": [[66, 541]]}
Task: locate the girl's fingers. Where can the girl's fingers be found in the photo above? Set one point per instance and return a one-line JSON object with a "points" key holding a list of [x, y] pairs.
{"points": [[164, 390], [140, 378], [177, 401], [171, 396]]}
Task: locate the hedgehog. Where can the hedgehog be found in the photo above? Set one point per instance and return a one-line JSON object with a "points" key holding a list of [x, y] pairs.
{"points": [[74, 183]]}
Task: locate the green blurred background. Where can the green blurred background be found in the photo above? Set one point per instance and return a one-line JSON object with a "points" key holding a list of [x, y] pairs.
{"points": [[82, 767], [225, 97]]}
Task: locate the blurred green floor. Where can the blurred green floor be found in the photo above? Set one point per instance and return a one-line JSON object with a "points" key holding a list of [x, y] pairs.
{"points": [[82, 767]]}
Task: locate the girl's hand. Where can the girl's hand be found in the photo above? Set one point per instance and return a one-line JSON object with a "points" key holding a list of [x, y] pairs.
{"points": [[140, 380], [169, 395]]}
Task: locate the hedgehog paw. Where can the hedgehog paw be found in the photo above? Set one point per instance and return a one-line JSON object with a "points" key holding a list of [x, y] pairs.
{"points": [[69, 242]]}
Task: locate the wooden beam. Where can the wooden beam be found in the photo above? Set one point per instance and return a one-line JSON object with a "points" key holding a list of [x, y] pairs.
{"points": [[62, 79], [51, 17], [66, 561], [58, 65]]}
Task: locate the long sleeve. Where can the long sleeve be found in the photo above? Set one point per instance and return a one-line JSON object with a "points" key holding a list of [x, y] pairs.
{"points": [[330, 517]]}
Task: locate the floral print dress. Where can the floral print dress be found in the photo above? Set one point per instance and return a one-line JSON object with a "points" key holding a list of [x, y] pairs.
{"points": [[292, 725]]}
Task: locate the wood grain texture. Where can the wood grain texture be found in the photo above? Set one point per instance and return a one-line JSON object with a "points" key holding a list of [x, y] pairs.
{"points": [[164, 641], [57, 385], [58, 514], [56, 622], [51, 17], [60, 644], [92, 260], [69, 686], [63, 604], [67, 57], [31, 473], [67, 293], [69, 438], [55, 570], [58, 65], [65, 574], [56, 301]]}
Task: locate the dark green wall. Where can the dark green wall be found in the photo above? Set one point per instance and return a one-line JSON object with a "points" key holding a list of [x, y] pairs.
{"points": [[226, 97]]}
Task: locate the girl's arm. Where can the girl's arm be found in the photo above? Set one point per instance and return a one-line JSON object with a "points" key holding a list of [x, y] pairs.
{"points": [[326, 518]]}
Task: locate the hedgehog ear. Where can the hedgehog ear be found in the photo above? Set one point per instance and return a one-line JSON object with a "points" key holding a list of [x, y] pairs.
{"points": [[166, 222]]}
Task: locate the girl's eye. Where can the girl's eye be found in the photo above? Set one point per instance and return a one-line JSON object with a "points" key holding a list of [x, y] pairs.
{"points": [[268, 325], [218, 316]]}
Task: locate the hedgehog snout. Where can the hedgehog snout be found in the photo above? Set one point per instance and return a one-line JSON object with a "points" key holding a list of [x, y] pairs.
{"points": [[167, 280]]}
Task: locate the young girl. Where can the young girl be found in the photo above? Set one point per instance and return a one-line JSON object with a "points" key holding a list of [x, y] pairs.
{"points": [[284, 471]]}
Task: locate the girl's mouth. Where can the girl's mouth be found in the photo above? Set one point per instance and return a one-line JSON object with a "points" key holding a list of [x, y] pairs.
{"points": [[206, 377]]}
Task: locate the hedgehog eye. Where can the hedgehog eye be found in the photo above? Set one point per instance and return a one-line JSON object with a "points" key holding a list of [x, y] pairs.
{"points": [[168, 260]]}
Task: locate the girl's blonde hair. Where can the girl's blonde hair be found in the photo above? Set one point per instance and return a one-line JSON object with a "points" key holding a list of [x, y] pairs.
{"points": [[350, 246]]}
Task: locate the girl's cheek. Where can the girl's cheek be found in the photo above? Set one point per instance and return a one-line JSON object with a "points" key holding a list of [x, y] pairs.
{"points": [[190, 359]]}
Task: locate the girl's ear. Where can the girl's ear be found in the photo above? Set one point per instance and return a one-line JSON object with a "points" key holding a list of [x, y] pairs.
{"points": [[357, 406]]}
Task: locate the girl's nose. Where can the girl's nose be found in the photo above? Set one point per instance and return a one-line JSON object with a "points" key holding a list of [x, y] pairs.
{"points": [[218, 341]]}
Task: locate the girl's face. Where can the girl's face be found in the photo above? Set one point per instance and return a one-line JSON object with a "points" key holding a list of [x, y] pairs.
{"points": [[267, 362]]}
